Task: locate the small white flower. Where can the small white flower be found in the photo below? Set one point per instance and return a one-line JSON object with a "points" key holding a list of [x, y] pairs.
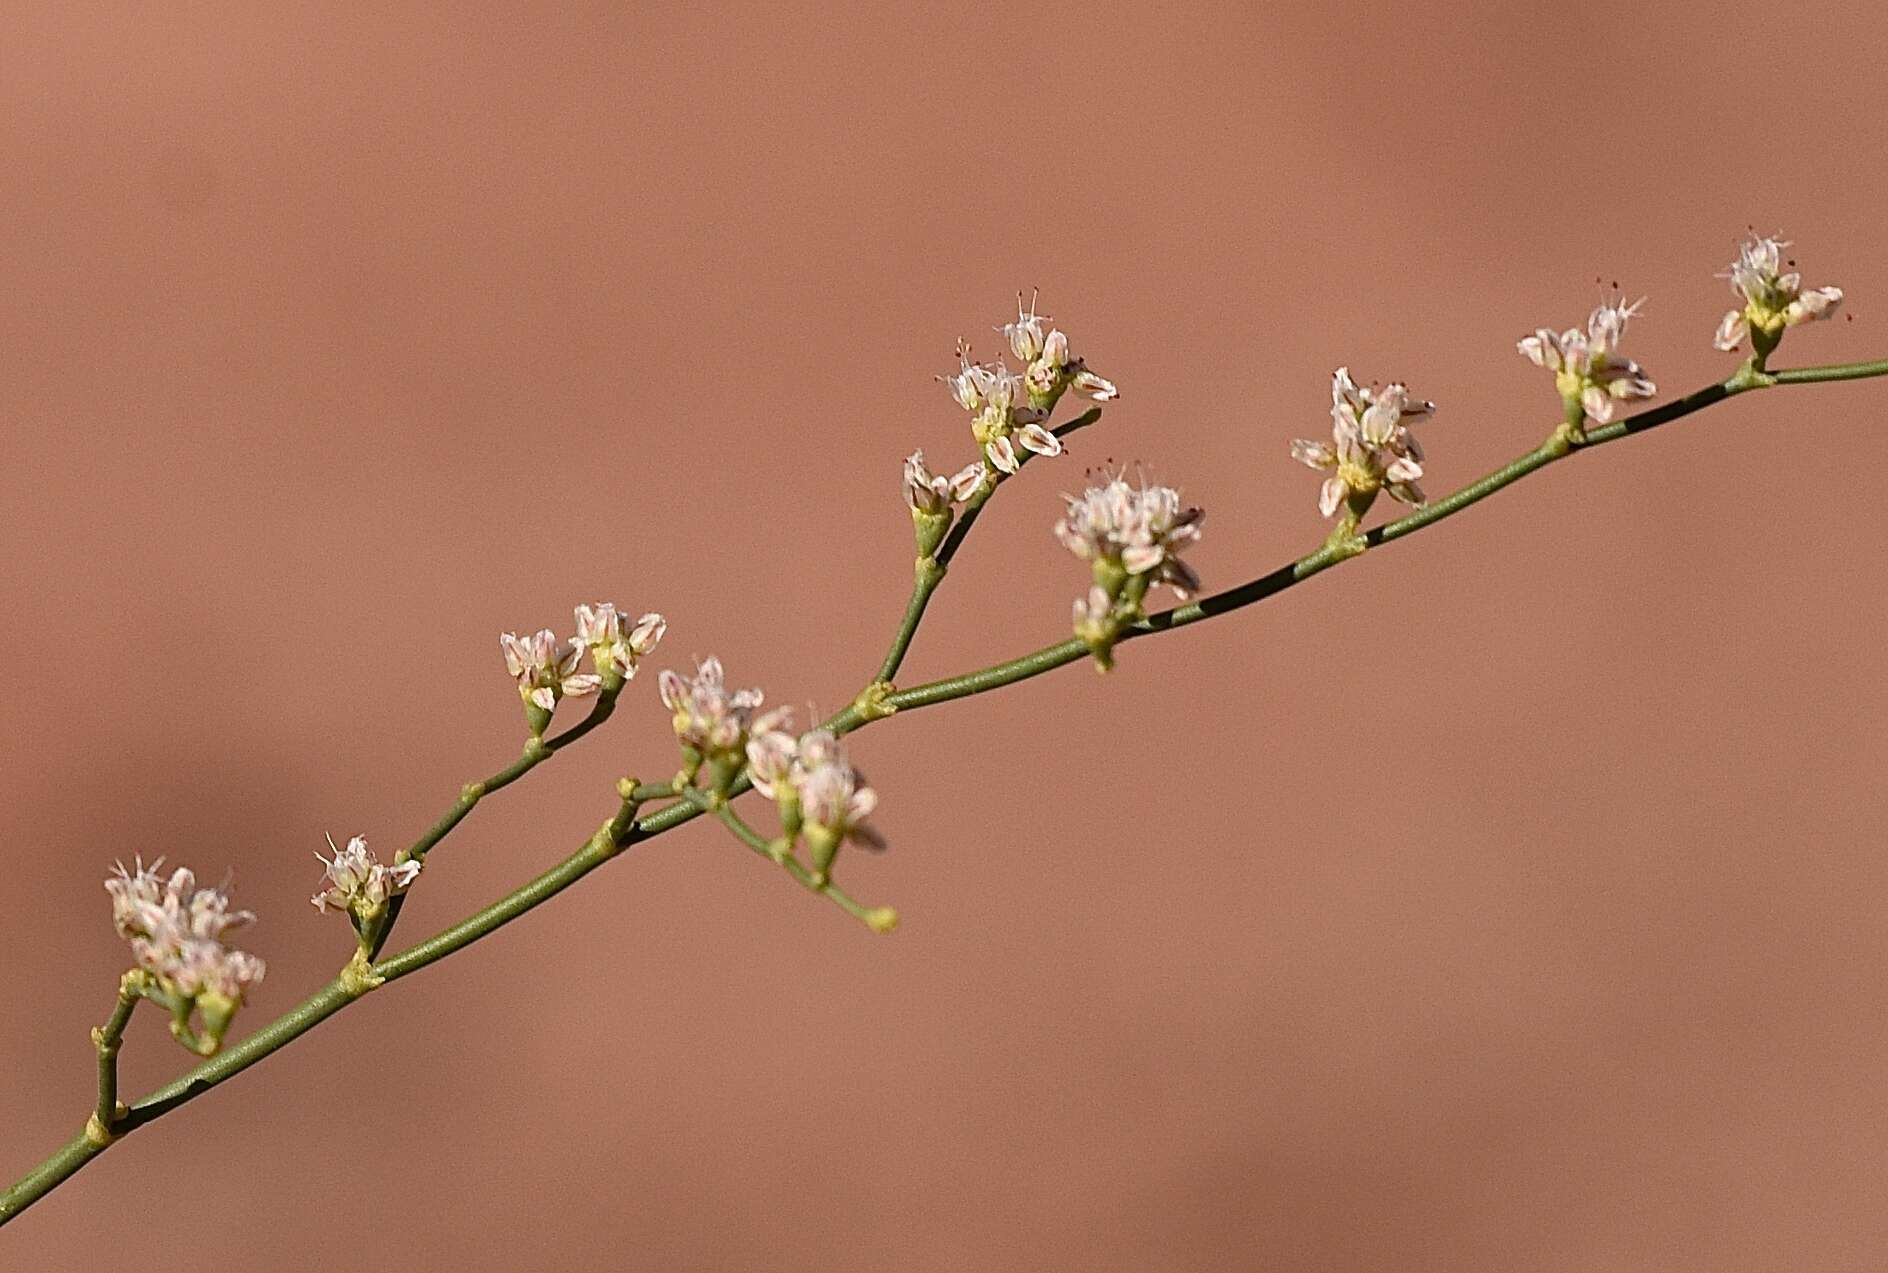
{"points": [[1025, 334], [933, 494], [1588, 368], [1371, 446], [612, 650], [1053, 369], [1133, 530], [834, 799], [546, 668], [354, 880], [710, 718], [1773, 299]]}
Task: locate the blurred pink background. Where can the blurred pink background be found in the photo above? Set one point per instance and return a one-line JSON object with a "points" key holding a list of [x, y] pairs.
{"points": [[1510, 899]]}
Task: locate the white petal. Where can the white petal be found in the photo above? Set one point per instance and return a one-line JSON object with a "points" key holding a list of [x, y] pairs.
{"points": [[1331, 495], [1731, 331], [965, 481], [1138, 559], [1315, 455], [1038, 439], [1002, 454]]}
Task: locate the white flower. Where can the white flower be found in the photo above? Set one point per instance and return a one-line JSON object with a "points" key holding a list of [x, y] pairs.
{"points": [[546, 668], [176, 933], [1371, 447], [612, 650], [1773, 300], [771, 755], [356, 881], [710, 718], [991, 393], [1052, 369], [834, 799], [930, 493], [1588, 368], [1025, 334], [1137, 531]]}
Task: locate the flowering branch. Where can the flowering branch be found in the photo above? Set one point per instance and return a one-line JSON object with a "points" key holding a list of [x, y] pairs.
{"points": [[1131, 539]]}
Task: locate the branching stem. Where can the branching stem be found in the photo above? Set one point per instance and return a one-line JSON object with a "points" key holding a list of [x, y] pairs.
{"points": [[626, 828]]}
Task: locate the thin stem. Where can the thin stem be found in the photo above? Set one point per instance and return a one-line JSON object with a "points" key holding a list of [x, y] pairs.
{"points": [[536, 752], [625, 829], [878, 919], [931, 570], [108, 1038]]}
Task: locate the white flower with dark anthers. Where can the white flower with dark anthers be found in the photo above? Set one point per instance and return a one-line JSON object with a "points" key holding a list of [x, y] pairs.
{"points": [[991, 393], [1773, 300], [1371, 447], [834, 799], [1054, 370], [1137, 531], [354, 880], [612, 650], [1588, 368], [546, 668], [933, 494], [1025, 334], [176, 933], [710, 718]]}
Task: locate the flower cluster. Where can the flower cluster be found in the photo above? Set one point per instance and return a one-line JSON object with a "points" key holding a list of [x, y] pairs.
{"points": [[1371, 448], [818, 791], [359, 884], [1773, 300], [1007, 410], [1048, 368], [1132, 538], [176, 933], [713, 723], [613, 651], [546, 667], [1589, 371], [993, 395]]}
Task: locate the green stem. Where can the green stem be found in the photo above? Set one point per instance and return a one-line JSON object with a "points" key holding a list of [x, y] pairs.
{"points": [[621, 831], [931, 570], [107, 1039], [798, 870], [535, 753]]}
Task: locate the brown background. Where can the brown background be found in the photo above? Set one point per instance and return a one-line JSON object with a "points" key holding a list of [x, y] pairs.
{"points": [[1511, 899]]}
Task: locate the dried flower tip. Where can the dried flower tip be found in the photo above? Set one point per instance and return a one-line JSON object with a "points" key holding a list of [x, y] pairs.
{"points": [[357, 882], [1773, 299], [546, 668], [613, 651], [1589, 371]]}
